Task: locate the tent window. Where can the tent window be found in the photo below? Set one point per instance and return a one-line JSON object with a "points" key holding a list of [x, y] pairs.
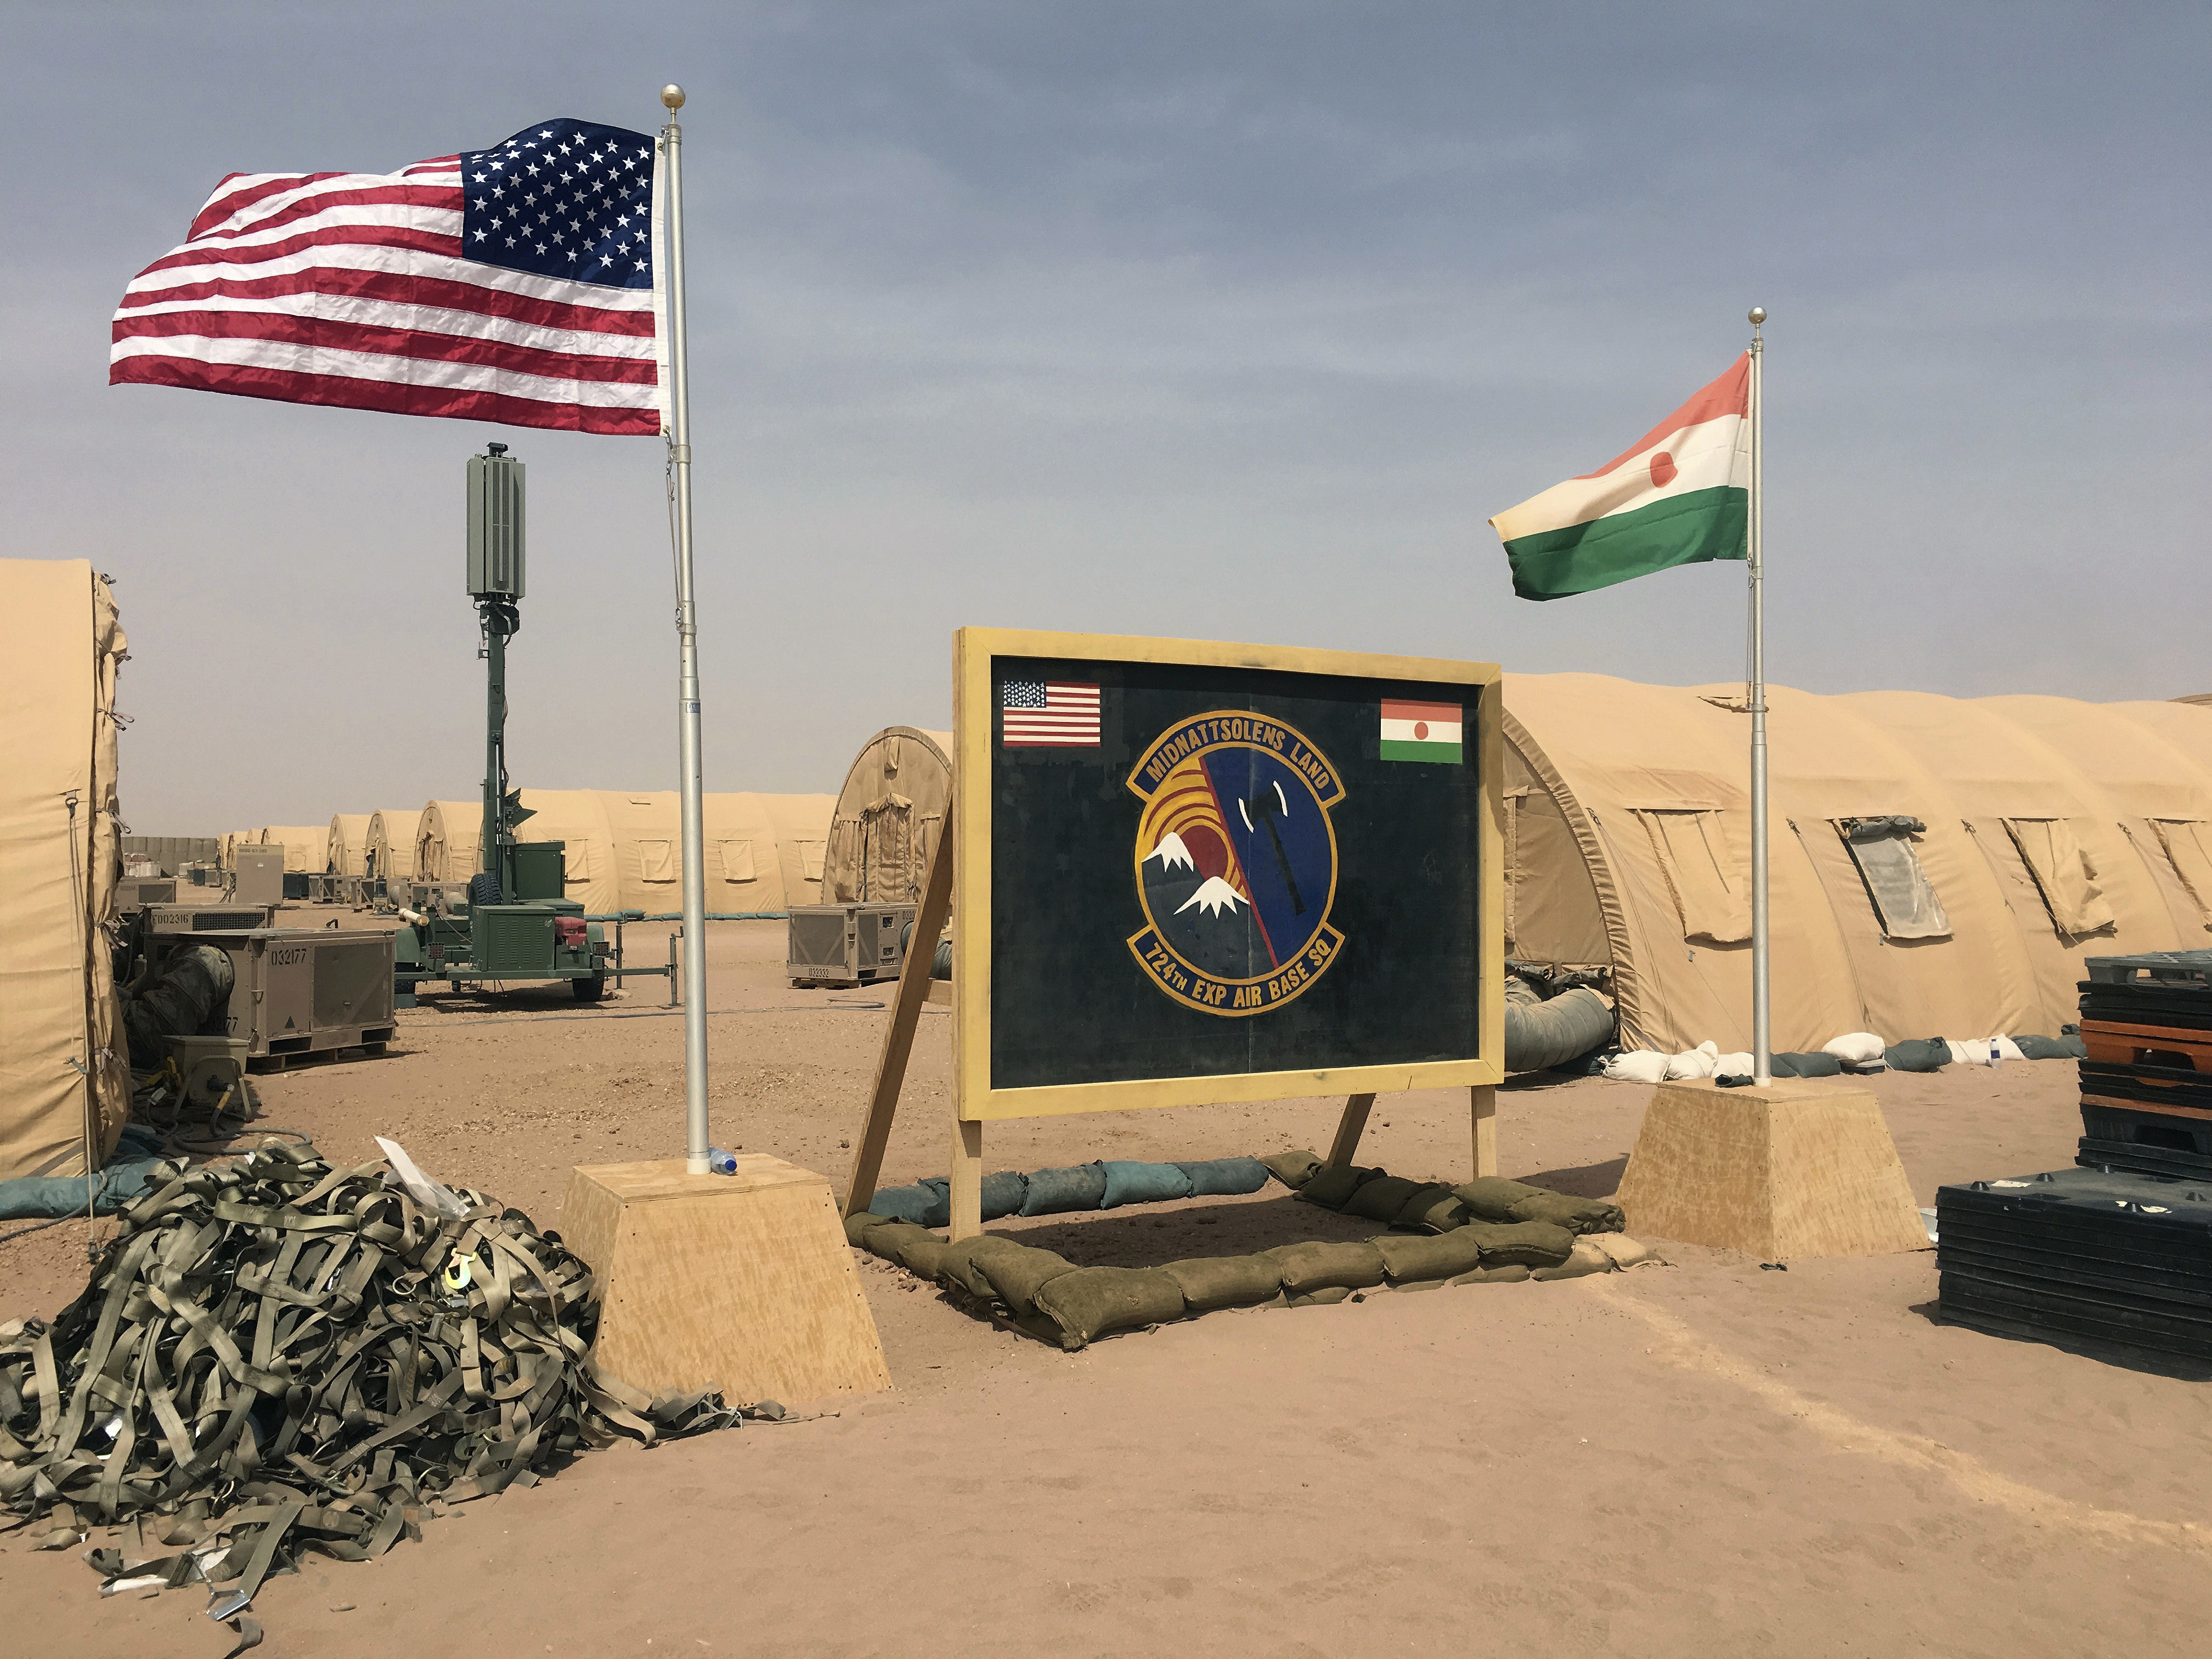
{"points": [[575, 863], [810, 860], [659, 858], [2065, 873], [2189, 848], [1904, 901], [738, 861], [1708, 889]]}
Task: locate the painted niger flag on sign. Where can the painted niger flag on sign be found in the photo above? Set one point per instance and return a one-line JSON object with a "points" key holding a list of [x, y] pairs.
{"points": [[1678, 496], [1421, 731]]}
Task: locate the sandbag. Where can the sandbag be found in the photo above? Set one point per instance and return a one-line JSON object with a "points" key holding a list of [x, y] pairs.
{"points": [[1432, 1209], [1704, 1061], [1492, 1198], [1089, 1302], [1524, 1244], [1408, 1257], [1225, 1178], [1638, 1066], [1576, 1215], [1209, 1283], [855, 1225], [1058, 1192], [1015, 1275], [1004, 1193], [1587, 1256], [921, 1252], [1292, 1168], [959, 1266], [1799, 1065], [1328, 1297], [1382, 1198], [1855, 1049], [1318, 1266], [1626, 1252], [1332, 1183], [1508, 1274], [1918, 1054], [1129, 1182], [885, 1241], [2044, 1047], [919, 1205], [1983, 1051]]}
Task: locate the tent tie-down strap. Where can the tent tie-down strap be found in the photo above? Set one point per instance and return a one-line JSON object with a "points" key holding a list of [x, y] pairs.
{"points": [[277, 1356]]}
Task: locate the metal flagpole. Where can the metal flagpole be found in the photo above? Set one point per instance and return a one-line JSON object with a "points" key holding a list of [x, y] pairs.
{"points": [[687, 645], [1762, 1034]]}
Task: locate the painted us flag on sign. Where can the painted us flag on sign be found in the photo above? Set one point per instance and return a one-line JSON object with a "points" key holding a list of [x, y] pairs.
{"points": [[516, 284], [1047, 714]]}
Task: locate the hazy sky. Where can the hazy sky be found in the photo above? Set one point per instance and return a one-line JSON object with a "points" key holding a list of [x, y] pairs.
{"points": [[1233, 321]]}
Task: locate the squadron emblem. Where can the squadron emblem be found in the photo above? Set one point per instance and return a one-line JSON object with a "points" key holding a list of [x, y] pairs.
{"points": [[1235, 863]]}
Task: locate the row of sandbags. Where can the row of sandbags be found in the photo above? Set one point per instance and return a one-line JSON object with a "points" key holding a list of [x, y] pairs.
{"points": [[1857, 1052], [1047, 1294], [1107, 1184], [1435, 1206]]}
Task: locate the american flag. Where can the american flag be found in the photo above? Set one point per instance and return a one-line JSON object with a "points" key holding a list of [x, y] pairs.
{"points": [[1045, 714], [515, 284]]}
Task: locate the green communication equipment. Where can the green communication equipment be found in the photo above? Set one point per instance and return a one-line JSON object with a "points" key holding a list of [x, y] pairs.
{"points": [[518, 922]]}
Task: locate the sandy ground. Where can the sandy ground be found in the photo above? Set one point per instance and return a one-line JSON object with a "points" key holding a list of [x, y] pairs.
{"points": [[1702, 1459]]}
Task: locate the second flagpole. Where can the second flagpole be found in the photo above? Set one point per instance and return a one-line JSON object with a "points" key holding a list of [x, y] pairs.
{"points": [[687, 648], [1762, 1033]]}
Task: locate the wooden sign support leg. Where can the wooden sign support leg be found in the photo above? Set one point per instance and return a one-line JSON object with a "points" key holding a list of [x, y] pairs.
{"points": [[1484, 1101], [898, 1037], [967, 1181], [1350, 1128]]}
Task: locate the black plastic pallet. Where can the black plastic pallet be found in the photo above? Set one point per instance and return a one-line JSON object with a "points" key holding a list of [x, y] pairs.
{"points": [[2133, 1126], [2095, 1252], [2148, 1005], [1968, 1303], [2173, 968], [2155, 1085], [2133, 1158]]}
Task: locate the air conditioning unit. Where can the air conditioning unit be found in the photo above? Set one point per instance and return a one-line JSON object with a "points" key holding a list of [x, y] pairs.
{"points": [[846, 945]]}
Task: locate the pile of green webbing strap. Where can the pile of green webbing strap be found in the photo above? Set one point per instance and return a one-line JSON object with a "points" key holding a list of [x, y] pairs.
{"points": [[297, 1357]]}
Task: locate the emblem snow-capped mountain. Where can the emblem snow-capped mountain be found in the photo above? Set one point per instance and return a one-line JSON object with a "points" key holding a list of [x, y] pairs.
{"points": [[1213, 897], [1172, 854]]}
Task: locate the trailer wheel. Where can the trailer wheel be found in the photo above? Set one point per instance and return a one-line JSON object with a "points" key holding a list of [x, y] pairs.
{"points": [[592, 989]]}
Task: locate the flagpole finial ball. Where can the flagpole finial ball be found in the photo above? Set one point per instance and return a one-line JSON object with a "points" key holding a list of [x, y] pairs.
{"points": [[672, 95], [1758, 313]]}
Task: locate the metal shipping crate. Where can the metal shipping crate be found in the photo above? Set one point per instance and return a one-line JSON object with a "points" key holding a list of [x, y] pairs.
{"points": [[846, 944]]}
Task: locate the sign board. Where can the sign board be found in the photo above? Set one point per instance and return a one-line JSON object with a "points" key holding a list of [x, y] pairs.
{"points": [[1190, 872]]}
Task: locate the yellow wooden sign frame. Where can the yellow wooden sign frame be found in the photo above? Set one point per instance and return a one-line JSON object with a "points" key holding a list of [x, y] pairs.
{"points": [[960, 883]]}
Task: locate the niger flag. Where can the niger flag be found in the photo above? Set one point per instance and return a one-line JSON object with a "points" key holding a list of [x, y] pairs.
{"points": [[1678, 496]]}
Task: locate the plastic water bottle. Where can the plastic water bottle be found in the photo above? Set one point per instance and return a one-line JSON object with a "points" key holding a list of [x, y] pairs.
{"points": [[1995, 1059], [721, 1162]]}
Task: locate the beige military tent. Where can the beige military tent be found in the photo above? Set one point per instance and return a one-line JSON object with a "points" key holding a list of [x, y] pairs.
{"points": [[306, 846], [1939, 866], [234, 840], [448, 838], [347, 845], [64, 1076], [888, 816], [390, 844], [623, 850]]}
